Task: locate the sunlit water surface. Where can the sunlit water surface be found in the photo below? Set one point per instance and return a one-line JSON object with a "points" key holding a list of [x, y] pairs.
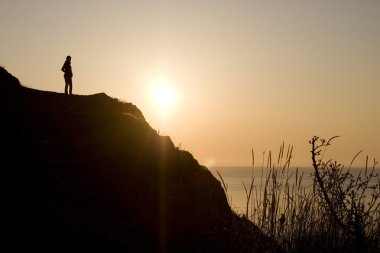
{"points": [[234, 177]]}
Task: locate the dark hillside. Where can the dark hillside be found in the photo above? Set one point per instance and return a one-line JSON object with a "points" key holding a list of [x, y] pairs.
{"points": [[88, 172]]}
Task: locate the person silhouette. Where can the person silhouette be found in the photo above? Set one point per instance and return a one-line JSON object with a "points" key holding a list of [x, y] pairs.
{"points": [[66, 68]]}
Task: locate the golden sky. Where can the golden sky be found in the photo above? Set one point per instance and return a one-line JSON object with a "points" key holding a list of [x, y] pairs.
{"points": [[239, 74]]}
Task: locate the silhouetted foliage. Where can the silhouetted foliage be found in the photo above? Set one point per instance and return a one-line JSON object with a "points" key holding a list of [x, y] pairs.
{"points": [[339, 212], [352, 203]]}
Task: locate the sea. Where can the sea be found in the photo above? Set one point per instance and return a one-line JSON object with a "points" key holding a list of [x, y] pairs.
{"points": [[235, 178]]}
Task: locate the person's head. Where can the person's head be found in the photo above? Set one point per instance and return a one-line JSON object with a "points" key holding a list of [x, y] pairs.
{"points": [[68, 58]]}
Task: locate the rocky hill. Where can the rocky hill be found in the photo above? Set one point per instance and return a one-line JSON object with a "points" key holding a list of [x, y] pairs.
{"points": [[89, 173]]}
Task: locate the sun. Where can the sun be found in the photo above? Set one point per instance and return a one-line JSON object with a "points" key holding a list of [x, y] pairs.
{"points": [[163, 95]]}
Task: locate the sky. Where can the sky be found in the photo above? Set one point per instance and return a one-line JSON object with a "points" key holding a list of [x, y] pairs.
{"points": [[219, 77]]}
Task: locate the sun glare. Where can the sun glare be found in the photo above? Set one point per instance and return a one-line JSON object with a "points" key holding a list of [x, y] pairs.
{"points": [[163, 95]]}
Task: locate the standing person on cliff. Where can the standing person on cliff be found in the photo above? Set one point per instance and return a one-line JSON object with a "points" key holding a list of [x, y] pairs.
{"points": [[66, 68]]}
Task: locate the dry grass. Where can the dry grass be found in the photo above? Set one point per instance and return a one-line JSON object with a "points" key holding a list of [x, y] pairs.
{"points": [[339, 212]]}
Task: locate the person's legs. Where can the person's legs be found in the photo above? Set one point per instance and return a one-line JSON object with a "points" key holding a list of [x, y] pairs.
{"points": [[70, 86], [66, 84]]}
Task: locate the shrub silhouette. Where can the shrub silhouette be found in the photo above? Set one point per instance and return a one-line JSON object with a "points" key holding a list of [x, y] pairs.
{"points": [[345, 197]]}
